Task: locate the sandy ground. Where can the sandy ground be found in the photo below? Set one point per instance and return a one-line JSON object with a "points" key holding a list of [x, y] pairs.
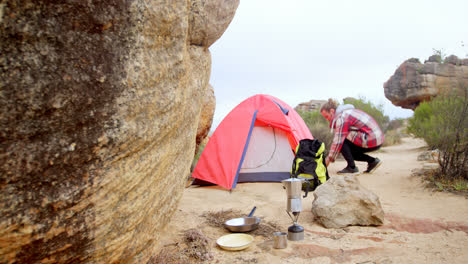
{"points": [[421, 226]]}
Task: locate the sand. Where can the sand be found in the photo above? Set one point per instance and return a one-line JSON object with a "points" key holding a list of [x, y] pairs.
{"points": [[421, 225]]}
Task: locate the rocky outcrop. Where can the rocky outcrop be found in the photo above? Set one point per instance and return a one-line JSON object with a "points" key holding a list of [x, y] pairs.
{"points": [[206, 115], [414, 82], [312, 105], [100, 102], [342, 201], [208, 19]]}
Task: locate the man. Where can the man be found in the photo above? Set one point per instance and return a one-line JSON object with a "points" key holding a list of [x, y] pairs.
{"points": [[355, 134]]}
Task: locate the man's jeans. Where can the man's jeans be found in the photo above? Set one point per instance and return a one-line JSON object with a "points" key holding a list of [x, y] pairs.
{"points": [[353, 152]]}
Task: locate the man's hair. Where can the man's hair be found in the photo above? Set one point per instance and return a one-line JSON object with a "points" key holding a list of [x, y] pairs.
{"points": [[331, 104]]}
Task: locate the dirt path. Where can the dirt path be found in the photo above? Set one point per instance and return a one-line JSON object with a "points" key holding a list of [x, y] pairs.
{"points": [[420, 226]]}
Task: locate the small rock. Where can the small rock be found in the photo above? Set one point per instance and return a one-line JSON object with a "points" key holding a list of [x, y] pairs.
{"points": [[430, 166]]}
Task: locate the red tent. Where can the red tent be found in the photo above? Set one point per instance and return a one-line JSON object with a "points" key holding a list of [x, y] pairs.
{"points": [[222, 159]]}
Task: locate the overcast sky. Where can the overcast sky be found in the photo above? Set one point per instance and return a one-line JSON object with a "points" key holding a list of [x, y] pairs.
{"points": [[299, 50]]}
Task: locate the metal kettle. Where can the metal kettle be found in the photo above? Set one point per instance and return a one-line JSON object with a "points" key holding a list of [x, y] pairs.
{"points": [[293, 187]]}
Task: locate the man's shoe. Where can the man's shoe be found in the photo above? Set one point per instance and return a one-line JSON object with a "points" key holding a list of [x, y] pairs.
{"points": [[349, 171], [371, 167]]}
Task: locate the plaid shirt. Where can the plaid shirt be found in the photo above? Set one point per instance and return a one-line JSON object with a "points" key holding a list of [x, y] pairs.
{"points": [[356, 126]]}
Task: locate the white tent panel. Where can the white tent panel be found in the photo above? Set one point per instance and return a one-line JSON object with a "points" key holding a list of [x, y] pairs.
{"points": [[268, 151]]}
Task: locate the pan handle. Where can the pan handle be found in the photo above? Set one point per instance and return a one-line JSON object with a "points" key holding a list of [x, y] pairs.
{"points": [[253, 210]]}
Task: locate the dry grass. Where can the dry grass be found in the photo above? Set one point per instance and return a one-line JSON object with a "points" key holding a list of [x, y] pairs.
{"points": [[266, 229], [170, 255], [392, 137], [217, 219], [246, 260], [198, 245], [437, 182], [194, 248]]}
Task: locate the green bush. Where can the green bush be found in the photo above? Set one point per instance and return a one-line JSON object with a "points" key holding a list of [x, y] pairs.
{"points": [[392, 137], [318, 126], [395, 124], [197, 155], [312, 118], [443, 124], [420, 124]]}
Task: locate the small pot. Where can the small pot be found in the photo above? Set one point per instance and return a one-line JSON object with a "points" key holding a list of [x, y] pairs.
{"points": [[243, 224], [280, 240]]}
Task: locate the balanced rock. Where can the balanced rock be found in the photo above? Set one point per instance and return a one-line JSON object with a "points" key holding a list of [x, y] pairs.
{"points": [[414, 82], [342, 201], [100, 102]]}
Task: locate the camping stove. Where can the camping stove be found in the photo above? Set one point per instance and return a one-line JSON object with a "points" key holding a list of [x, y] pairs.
{"points": [[293, 188]]}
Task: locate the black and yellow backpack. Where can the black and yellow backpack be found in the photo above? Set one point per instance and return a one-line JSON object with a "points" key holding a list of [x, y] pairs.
{"points": [[309, 163]]}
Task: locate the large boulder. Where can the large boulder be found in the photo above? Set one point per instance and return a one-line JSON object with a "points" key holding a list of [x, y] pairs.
{"points": [[208, 19], [342, 201], [206, 116], [414, 82], [100, 102]]}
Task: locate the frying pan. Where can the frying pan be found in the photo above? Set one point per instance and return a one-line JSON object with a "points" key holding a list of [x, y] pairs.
{"points": [[243, 224]]}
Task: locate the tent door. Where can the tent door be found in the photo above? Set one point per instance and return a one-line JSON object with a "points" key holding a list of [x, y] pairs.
{"points": [[269, 156]]}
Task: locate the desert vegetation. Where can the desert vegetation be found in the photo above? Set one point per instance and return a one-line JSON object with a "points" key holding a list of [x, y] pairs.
{"points": [[318, 126], [443, 124]]}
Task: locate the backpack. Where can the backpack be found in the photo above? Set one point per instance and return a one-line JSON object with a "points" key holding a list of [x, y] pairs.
{"points": [[309, 164]]}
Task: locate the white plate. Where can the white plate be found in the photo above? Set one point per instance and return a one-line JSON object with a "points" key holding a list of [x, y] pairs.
{"points": [[235, 241]]}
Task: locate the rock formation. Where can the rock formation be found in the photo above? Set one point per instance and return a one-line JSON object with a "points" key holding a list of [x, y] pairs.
{"points": [[414, 82], [342, 201], [206, 115], [312, 105], [100, 102]]}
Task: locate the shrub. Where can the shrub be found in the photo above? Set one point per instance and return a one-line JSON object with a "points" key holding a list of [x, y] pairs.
{"points": [[443, 124], [198, 154], [318, 126], [395, 124], [322, 133], [312, 118], [392, 137], [420, 124]]}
